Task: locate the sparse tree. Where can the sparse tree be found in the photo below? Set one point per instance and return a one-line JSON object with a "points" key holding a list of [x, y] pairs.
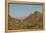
{"points": [[36, 12]]}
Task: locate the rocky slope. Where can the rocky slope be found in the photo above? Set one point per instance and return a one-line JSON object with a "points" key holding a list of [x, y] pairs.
{"points": [[33, 21]]}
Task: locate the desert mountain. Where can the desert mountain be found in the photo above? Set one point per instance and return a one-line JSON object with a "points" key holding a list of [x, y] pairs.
{"points": [[34, 20]]}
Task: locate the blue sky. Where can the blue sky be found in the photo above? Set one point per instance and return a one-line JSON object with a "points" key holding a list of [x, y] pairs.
{"points": [[21, 11]]}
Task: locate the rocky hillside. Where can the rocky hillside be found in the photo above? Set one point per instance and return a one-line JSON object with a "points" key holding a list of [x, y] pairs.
{"points": [[33, 21], [34, 18], [12, 22]]}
